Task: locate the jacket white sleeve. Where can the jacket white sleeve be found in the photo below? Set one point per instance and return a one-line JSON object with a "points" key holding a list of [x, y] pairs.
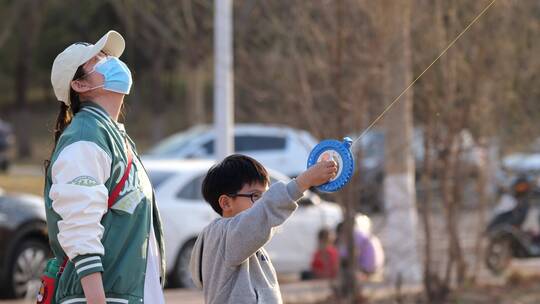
{"points": [[80, 197]]}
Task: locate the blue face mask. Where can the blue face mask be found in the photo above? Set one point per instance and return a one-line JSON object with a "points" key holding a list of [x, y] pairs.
{"points": [[116, 73]]}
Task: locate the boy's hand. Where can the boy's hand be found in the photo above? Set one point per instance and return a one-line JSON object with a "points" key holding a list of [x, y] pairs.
{"points": [[317, 175]]}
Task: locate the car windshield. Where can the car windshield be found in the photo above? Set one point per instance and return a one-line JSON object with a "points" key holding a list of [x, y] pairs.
{"points": [[158, 177], [307, 140], [172, 144], [372, 144]]}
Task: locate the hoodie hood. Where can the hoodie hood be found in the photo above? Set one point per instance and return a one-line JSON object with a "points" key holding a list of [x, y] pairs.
{"points": [[195, 264]]}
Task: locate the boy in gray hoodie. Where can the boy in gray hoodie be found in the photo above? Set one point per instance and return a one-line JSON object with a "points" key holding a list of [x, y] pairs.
{"points": [[228, 260]]}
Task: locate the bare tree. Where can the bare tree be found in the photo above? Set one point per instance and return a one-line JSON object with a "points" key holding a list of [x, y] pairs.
{"points": [[177, 45], [402, 258], [29, 24]]}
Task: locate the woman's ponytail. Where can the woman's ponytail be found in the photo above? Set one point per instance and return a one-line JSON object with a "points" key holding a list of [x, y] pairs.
{"points": [[62, 121], [65, 115]]}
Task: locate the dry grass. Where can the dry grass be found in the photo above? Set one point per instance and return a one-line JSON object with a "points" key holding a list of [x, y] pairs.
{"points": [[22, 183]]}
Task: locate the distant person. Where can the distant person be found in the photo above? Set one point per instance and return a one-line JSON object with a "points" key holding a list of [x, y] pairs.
{"points": [[103, 224], [370, 254], [228, 260], [325, 263]]}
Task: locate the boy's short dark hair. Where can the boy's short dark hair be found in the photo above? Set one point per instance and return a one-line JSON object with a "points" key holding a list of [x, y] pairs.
{"points": [[324, 235], [231, 175]]}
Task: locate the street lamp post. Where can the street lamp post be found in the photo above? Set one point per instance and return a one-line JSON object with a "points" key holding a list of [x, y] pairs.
{"points": [[223, 79]]}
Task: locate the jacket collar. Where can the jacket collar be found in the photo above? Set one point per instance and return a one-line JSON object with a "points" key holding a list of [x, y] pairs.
{"points": [[98, 111]]}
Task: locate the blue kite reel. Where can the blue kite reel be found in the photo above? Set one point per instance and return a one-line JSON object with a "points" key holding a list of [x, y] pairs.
{"points": [[341, 153]]}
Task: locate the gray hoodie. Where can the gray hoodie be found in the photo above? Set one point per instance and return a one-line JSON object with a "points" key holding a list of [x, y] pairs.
{"points": [[228, 260]]}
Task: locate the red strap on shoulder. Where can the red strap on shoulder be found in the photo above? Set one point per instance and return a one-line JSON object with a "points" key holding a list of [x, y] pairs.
{"points": [[64, 263], [116, 191]]}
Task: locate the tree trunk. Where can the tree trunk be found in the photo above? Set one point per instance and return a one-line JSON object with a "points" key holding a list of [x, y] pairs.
{"points": [[446, 192], [157, 94], [29, 24], [451, 192], [349, 284], [195, 95], [399, 183], [461, 266], [435, 291], [482, 203]]}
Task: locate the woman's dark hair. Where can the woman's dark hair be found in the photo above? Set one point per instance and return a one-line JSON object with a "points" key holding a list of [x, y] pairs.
{"points": [[231, 175], [66, 114]]}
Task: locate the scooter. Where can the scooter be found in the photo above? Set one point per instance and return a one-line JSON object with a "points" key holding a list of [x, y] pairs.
{"points": [[507, 237]]}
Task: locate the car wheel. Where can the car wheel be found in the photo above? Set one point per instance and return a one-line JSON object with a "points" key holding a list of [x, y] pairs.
{"points": [[181, 276], [4, 165], [498, 254], [27, 266]]}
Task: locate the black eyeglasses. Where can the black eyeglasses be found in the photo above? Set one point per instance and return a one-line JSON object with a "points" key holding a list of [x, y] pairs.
{"points": [[253, 196]]}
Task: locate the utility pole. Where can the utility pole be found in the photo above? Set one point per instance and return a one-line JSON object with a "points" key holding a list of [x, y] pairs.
{"points": [[399, 235], [223, 80]]}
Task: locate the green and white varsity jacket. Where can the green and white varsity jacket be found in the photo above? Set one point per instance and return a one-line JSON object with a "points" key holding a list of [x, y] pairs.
{"points": [[125, 242]]}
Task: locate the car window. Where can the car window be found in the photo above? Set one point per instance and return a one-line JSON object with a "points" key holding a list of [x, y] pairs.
{"points": [[373, 145], [192, 190], [209, 147], [158, 177], [243, 143], [177, 142], [3, 142]]}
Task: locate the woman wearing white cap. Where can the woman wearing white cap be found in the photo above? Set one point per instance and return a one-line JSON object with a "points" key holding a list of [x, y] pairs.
{"points": [[103, 223]]}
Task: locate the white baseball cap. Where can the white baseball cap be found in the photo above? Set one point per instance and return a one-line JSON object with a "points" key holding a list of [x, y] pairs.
{"points": [[66, 63]]}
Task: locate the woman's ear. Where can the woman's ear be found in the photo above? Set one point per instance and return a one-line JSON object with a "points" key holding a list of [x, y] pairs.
{"points": [[79, 86]]}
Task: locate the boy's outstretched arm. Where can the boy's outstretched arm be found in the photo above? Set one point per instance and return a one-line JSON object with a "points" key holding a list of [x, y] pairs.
{"points": [[248, 231]]}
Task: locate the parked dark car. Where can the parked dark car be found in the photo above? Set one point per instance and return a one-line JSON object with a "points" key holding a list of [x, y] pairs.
{"points": [[24, 247], [7, 141]]}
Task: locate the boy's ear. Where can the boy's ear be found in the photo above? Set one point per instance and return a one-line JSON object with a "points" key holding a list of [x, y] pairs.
{"points": [[224, 202]]}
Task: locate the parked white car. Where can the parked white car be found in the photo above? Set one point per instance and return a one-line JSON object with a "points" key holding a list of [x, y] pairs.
{"points": [[277, 147], [185, 213], [522, 162]]}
